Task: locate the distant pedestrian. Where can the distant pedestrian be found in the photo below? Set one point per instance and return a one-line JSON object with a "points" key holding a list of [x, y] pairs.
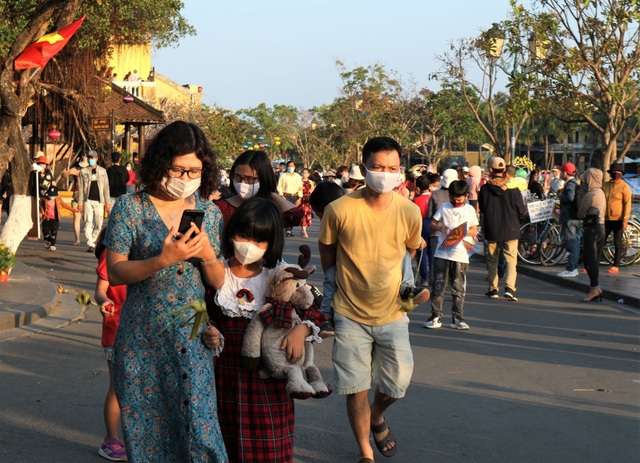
{"points": [[325, 193], [556, 183], [118, 178], [131, 181], [110, 299], [619, 202], [50, 206], [290, 188], [423, 195], [74, 173], [93, 198], [571, 225], [591, 211], [307, 188], [501, 209], [40, 179]]}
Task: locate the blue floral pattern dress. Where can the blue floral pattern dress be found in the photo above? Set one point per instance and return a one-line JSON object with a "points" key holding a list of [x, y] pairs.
{"points": [[164, 382]]}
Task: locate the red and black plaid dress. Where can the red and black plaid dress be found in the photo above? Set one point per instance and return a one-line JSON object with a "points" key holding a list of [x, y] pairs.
{"points": [[256, 415]]}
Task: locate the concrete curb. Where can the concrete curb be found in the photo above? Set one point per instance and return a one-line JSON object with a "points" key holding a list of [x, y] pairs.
{"points": [[551, 277], [39, 308]]}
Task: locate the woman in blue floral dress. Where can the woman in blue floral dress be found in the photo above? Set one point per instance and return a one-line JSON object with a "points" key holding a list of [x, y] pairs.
{"points": [[164, 381]]}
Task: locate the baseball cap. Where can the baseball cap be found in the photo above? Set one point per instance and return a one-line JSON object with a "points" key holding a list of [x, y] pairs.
{"points": [[92, 154], [465, 169], [448, 176], [42, 160], [569, 168], [496, 162]]}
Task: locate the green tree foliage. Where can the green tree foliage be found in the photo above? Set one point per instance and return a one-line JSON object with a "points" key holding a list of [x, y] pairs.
{"points": [[501, 116], [590, 69], [435, 118]]}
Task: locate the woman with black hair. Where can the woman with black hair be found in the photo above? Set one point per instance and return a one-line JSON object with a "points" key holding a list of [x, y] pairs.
{"points": [[252, 176], [163, 380], [535, 187]]}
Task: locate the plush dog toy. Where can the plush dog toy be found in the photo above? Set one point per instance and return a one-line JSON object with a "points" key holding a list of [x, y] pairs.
{"points": [[289, 300]]}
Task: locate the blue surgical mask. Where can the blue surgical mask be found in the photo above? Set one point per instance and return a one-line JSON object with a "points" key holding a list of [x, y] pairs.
{"points": [[92, 162], [290, 169]]}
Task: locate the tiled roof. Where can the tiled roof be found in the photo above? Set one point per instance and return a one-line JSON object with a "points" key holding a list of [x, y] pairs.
{"points": [[136, 112]]}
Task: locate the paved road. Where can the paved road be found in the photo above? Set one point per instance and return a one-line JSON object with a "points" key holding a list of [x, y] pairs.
{"points": [[545, 379]]}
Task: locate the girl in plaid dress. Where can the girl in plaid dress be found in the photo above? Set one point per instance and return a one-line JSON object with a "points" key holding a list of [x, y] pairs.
{"points": [[256, 415]]}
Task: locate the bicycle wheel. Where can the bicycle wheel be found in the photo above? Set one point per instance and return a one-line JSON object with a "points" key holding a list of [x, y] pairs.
{"points": [[630, 245], [551, 247], [608, 251], [528, 243]]}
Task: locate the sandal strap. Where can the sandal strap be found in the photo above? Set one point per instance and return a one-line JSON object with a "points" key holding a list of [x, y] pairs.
{"points": [[378, 428]]}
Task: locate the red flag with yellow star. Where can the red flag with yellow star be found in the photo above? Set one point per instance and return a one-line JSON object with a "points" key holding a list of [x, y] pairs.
{"points": [[40, 52]]}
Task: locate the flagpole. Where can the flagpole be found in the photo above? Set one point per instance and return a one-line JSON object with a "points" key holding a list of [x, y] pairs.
{"points": [[113, 131]]}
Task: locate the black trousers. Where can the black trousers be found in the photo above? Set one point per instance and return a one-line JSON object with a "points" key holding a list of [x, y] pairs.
{"points": [[50, 230], [593, 243], [614, 226]]}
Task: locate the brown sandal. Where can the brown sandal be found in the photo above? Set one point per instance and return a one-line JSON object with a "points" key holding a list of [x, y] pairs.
{"points": [[388, 439]]}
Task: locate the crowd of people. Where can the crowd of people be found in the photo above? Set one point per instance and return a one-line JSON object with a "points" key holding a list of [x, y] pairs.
{"points": [[182, 399]]}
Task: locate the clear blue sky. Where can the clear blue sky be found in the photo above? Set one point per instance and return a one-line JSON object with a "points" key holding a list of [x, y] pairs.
{"points": [[284, 51]]}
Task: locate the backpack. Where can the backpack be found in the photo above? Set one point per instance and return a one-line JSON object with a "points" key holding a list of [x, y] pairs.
{"points": [[581, 190]]}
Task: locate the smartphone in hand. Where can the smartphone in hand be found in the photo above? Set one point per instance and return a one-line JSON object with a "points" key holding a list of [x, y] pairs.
{"points": [[190, 215]]}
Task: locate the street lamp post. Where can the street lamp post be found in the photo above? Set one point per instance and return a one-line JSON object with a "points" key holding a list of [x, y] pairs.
{"points": [[496, 37]]}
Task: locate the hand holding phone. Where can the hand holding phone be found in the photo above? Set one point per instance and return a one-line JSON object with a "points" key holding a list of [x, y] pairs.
{"points": [[190, 215]]}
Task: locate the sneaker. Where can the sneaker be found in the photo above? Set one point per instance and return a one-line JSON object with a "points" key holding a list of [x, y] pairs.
{"points": [[420, 294], [568, 273], [492, 293], [47, 245], [510, 294], [91, 249], [458, 324], [433, 322], [113, 450], [52, 248], [327, 330]]}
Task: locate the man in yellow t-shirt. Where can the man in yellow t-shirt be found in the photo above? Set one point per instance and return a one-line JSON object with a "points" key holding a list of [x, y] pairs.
{"points": [[290, 188], [365, 235]]}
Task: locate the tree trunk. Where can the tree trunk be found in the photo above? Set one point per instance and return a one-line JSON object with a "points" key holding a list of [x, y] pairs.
{"points": [[19, 222]]}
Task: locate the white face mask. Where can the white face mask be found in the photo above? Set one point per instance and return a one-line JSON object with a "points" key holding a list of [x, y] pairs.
{"points": [[290, 169], [382, 182], [247, 252], [178, 188], [246, 191]]}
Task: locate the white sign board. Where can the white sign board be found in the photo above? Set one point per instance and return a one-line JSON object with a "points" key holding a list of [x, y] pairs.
{"points": [[540, 210]]}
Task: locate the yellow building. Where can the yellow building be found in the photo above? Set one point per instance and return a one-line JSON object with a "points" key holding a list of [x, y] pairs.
{"points": [[153, 87]]}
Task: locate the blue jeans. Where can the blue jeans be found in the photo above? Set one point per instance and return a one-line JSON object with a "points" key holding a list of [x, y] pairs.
{"points": [[572, 235], [328, 290], [445, 272]]}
